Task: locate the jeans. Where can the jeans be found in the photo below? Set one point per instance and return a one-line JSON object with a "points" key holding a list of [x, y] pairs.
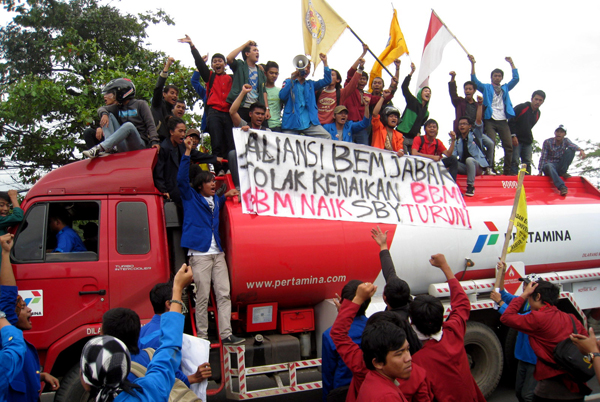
{"points": [[525, 153], [125, 137], [206, 268], [219, 126], [89, 136], [525, 384], [312, 131], [451, 163], [361, 137], [471, 168], [557, 169], [488, 148], [501, 127]]}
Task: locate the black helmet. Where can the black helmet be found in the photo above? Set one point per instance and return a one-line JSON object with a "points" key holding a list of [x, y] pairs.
{"points": [[391, 110], [123, 89]]}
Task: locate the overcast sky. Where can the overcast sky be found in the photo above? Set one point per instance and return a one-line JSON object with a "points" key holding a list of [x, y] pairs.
{"points": [[554, 45]]}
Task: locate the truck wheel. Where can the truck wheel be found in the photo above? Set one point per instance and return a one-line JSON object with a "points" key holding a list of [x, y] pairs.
{"points": [[485, 356], [71, 389]]}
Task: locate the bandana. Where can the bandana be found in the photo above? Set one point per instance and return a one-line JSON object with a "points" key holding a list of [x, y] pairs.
{"points": [[105, 364]]}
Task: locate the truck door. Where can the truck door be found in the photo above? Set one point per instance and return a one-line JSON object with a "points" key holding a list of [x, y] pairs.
{"points": [[65, 290]]}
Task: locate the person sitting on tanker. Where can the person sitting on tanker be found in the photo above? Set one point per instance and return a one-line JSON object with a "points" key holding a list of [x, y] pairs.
{"points": [[164, 99], [546, 326], [416, 388], [94, 136], [342, 129], [256, 112], [557, 156], [471, 160], [67, 240], [7, 219], [525, 382], [106, 362], [25, 386], [334, 371], [415, 114], [443, 341], [169, 155], [467, 106], [428, 146], [201, 236], [300, 113], [124, 324], [127, 125], [385, 136]]}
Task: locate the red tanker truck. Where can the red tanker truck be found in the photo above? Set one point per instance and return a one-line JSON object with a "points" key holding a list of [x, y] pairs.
{"points": [[283, 271]]}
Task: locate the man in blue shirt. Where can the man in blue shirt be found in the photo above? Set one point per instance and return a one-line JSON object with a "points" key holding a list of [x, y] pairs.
{"points": [[67, 240]]}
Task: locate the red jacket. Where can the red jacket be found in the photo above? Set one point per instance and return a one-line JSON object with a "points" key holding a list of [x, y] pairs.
{"points": [[546, 327], [356, 110], [446, 363], [415, 389], [378, 388]]}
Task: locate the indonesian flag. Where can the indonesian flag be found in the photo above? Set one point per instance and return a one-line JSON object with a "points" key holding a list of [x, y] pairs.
{"points": [[438, 36]]}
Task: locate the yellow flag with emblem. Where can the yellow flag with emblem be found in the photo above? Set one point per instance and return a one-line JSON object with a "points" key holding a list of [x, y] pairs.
{"points": [[520, 222], [395, 48], [321, 28]]}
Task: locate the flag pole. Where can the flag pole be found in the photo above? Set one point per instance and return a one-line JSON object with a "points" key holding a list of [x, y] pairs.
{"points": [[499, 273], [454, 36], [373, 54]]}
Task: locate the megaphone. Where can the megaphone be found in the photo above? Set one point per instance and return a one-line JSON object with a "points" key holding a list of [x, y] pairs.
{"points": [[300, 62]]}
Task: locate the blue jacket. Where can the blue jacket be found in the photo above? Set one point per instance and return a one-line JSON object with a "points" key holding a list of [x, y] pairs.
{"points": [[487, 90], [350, 128], [474, 150], [201, 91], [12, 356], [523, 350], [200, 224], [150, 334], [335, 373], [25, 386], [160, 376], [291, 119]]}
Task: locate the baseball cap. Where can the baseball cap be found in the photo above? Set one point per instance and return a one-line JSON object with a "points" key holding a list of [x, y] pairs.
{"points": [[339, 109], [193, 131], [531, 278], [561, 127]]}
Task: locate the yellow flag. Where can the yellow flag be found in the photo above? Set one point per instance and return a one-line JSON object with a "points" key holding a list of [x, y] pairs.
{"points": [[321, 28], [395, 48], [521, 224]]}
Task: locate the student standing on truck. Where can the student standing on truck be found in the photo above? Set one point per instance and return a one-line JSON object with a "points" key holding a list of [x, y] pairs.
{"points": [[25, 386], [201, 236], [557, 155], [526, 116], [164, 99], [443, 354], [546, 327], [415, 113], [171, 151], [105, 361]]}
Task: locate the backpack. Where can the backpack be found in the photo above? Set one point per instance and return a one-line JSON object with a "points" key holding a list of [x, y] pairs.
{"points": [[179, 393], [569, 358], [423, 144]]}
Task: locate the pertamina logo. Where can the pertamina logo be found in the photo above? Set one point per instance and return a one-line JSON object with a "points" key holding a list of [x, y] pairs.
{"points": [[34, 300], [485, 239]]}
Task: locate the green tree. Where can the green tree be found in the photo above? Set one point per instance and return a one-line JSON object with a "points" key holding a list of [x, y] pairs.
{"points": [[56, 57]]}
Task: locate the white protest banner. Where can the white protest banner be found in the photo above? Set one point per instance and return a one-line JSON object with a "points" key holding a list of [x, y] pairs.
{"points": [[304, 177]]}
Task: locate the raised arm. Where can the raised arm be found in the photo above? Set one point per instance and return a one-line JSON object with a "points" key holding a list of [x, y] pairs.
{"points": [[361, 60], [479, 115], [387, 265], [198, 60], [448, 152], [379, 104], [7, 276], [515, 74], [452, 88], [235, 106], [157, 97], [231, 56]]}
